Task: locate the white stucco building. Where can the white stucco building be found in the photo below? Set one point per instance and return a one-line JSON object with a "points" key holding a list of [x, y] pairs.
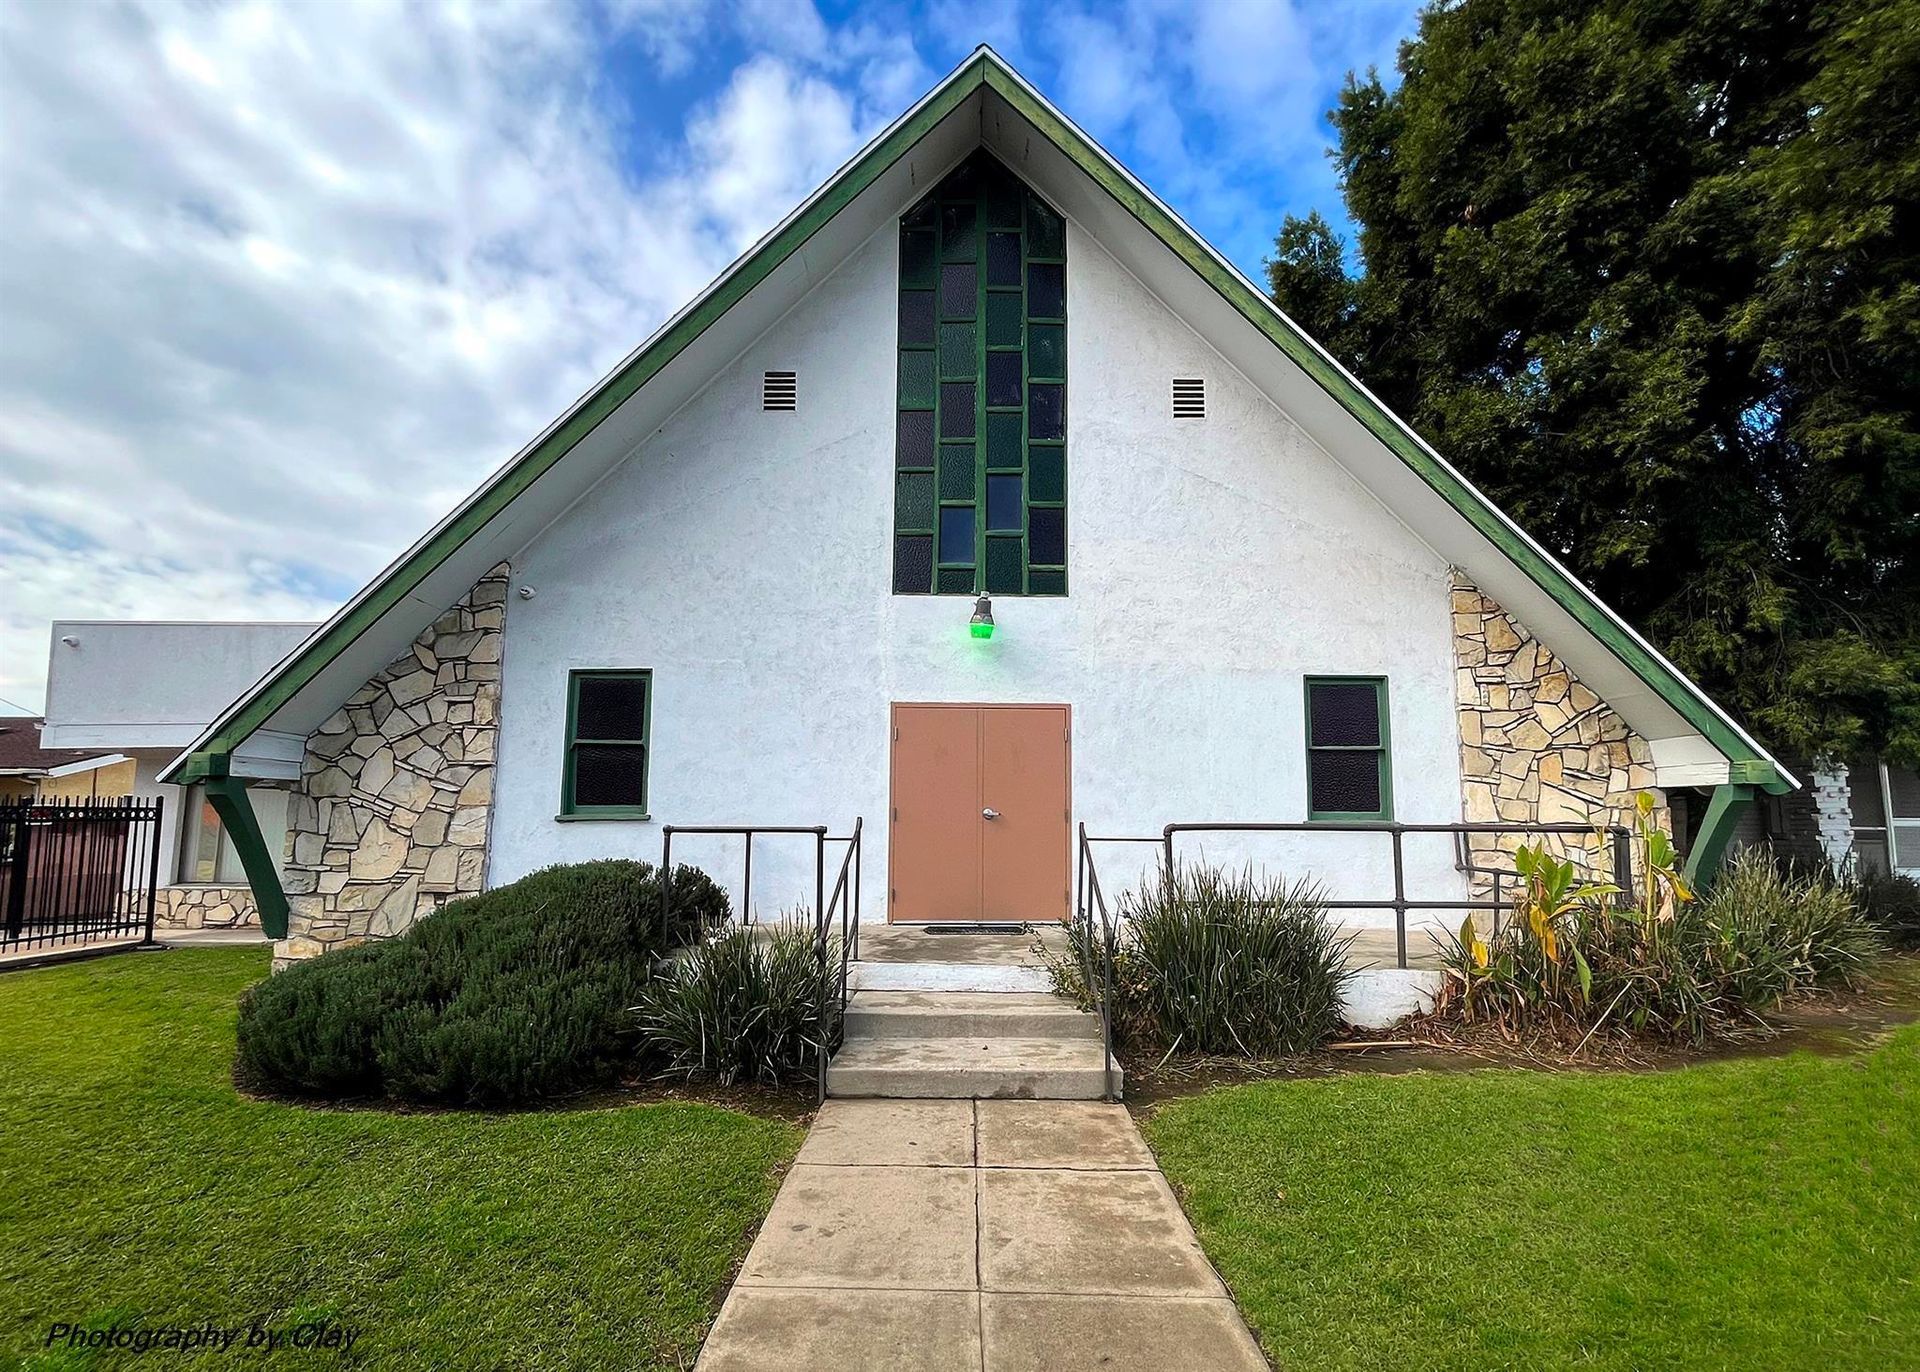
{"points": [[734, 585], [146, 689]]}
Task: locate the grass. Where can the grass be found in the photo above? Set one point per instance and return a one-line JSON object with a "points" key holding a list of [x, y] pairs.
{"points": [[136, 1186], [1751, 1213]]}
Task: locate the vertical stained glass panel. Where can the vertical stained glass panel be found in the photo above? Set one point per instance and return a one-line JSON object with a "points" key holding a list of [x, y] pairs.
{"points": [[979, 502]]}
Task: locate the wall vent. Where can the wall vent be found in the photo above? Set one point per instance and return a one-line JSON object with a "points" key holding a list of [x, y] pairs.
{"points": [[1189, 397], [779, 391]]}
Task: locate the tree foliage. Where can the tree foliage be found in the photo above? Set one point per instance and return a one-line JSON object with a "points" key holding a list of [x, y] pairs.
{"points": [[1649, 271]]}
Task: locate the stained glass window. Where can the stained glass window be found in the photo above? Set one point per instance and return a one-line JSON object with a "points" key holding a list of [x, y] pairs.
{"points": [[980, 489]]}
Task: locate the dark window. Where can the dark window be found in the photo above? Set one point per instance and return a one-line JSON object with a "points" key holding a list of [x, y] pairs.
{"points": [[608, 717], [956, 535], [1349, 771], [979, 504], [1003, 504], [1003, 379]]}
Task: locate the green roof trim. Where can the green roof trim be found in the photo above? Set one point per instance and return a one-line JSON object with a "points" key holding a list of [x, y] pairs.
{"points": [[1750, 763]]}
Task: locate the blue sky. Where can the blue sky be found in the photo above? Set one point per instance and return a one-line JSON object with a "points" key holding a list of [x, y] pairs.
{"points": [[284, 281]]}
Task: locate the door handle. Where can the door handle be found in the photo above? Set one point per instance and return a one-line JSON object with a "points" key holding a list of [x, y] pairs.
{"points": [[989, 813]]}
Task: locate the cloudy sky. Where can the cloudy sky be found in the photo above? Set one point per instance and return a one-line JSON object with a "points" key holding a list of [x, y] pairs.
{"points": [[280, 282]]}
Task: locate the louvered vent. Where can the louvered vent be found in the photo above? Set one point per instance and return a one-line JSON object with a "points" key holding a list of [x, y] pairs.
{"points": [[779, 391], [1189, 398]]}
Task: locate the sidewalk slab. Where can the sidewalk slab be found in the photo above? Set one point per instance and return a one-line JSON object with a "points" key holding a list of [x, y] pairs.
{"points": [[766, 1328], [891, 1133], [895, 1228], [1088, 1233], [1030, 1333], [1060, 1134]]}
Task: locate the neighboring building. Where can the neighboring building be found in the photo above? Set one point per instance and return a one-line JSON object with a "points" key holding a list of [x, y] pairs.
{"points": [[30, 770], [143, 691], [734, 583]]}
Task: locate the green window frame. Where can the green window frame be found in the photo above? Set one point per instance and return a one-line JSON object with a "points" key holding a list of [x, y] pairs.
{"points": [[1331, 763], [980, 469], [604, 739]]}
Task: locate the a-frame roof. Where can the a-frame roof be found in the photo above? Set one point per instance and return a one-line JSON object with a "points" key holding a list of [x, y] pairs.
{"points": [[982, 101]]}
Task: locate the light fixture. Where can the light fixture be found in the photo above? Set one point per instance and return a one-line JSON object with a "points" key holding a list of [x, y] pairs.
{"points": [[981, 625]]}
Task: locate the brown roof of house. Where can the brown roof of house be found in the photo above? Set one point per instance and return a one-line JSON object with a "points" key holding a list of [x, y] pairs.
{"points": [[20, 749]]}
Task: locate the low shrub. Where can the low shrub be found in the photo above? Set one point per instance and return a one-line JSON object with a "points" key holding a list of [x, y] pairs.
{"points": [[1212, 962], [744, 1006], [1891, 903], [515, 995], [1576, 960]]}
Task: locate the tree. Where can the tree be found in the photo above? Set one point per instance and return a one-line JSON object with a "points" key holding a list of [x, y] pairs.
{"points": [[1647, 270]]}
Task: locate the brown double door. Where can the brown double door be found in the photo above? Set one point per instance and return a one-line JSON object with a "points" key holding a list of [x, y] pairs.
{"points": [[981, 808]]}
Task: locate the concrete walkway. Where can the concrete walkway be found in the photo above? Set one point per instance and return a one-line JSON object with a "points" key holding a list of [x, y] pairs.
{"points": [[977, 1236]]}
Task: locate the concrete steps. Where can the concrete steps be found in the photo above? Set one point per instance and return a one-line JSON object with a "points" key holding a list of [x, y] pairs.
{"points": [[966, 1015], [944, 1045], [946, 976]]}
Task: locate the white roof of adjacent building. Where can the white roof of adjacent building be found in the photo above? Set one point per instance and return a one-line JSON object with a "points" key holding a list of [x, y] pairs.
{"points": [[126, 684]]}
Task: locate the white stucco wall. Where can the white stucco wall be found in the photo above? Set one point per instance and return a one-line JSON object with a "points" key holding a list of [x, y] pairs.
{"points": [[745, 557]]}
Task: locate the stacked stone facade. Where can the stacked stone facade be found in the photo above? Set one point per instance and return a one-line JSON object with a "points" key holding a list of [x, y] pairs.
{"points": [[389, 819], [203, 907], [1536, 745]]}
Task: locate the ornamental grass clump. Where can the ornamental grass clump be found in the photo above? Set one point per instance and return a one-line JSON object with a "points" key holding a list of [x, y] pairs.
{"points": [[743, 1007], [1210, 962], [1577, 959], [513, 996]]}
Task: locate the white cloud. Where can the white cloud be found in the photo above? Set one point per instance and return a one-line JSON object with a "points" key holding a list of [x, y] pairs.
{"points": [[280, 283], [283, 282]]}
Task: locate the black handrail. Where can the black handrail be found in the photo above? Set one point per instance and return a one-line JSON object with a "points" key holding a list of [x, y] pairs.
{"points": [[1101, 942], [1401, 903], [845, 898]]}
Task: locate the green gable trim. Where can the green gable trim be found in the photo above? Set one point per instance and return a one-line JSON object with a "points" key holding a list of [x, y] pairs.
{"points": [[1256, 310], [405, 576], [983, 69]]}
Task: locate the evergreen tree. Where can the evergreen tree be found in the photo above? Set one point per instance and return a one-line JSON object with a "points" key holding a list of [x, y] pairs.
{"points": [[1647, 271]]}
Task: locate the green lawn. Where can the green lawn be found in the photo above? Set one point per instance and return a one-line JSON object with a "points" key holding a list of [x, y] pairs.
{"points": [[1755, 1213], [135, 1185]]}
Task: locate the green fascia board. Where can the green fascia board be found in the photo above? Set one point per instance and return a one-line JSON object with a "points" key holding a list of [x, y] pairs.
{"points": [[228, 796], [258, 707], [986, 68], [1573, 597]]}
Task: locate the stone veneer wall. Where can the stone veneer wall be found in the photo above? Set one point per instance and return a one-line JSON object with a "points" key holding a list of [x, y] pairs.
{"points": [[1537, 746], [203, 907], [389, 818]]}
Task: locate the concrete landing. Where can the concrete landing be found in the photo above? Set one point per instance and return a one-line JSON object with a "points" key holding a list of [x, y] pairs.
{"points": [[990, 1235]]}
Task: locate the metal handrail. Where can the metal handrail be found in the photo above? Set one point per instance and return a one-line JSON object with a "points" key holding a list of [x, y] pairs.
{"points": [[847, 900], [1400, 903], [1098, 980], [845, 897]]}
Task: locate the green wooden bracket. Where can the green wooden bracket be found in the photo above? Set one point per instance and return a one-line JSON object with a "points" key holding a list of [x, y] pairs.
{"points": [[228, 796], [1716, 831]]}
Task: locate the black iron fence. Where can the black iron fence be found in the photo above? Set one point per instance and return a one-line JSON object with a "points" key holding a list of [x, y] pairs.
{"points": [[77, 872], [843, 901]]}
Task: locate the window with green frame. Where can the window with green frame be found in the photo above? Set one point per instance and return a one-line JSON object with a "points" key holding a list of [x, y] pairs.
{"points": [[609, 729], [980, 480], [1349, 763]]}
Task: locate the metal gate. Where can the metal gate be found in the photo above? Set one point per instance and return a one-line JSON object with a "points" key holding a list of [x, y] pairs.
{"points": [[74, 872]]}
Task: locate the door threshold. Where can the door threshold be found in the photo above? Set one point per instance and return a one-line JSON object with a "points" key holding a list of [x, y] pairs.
{"points": [[996, 928]]}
